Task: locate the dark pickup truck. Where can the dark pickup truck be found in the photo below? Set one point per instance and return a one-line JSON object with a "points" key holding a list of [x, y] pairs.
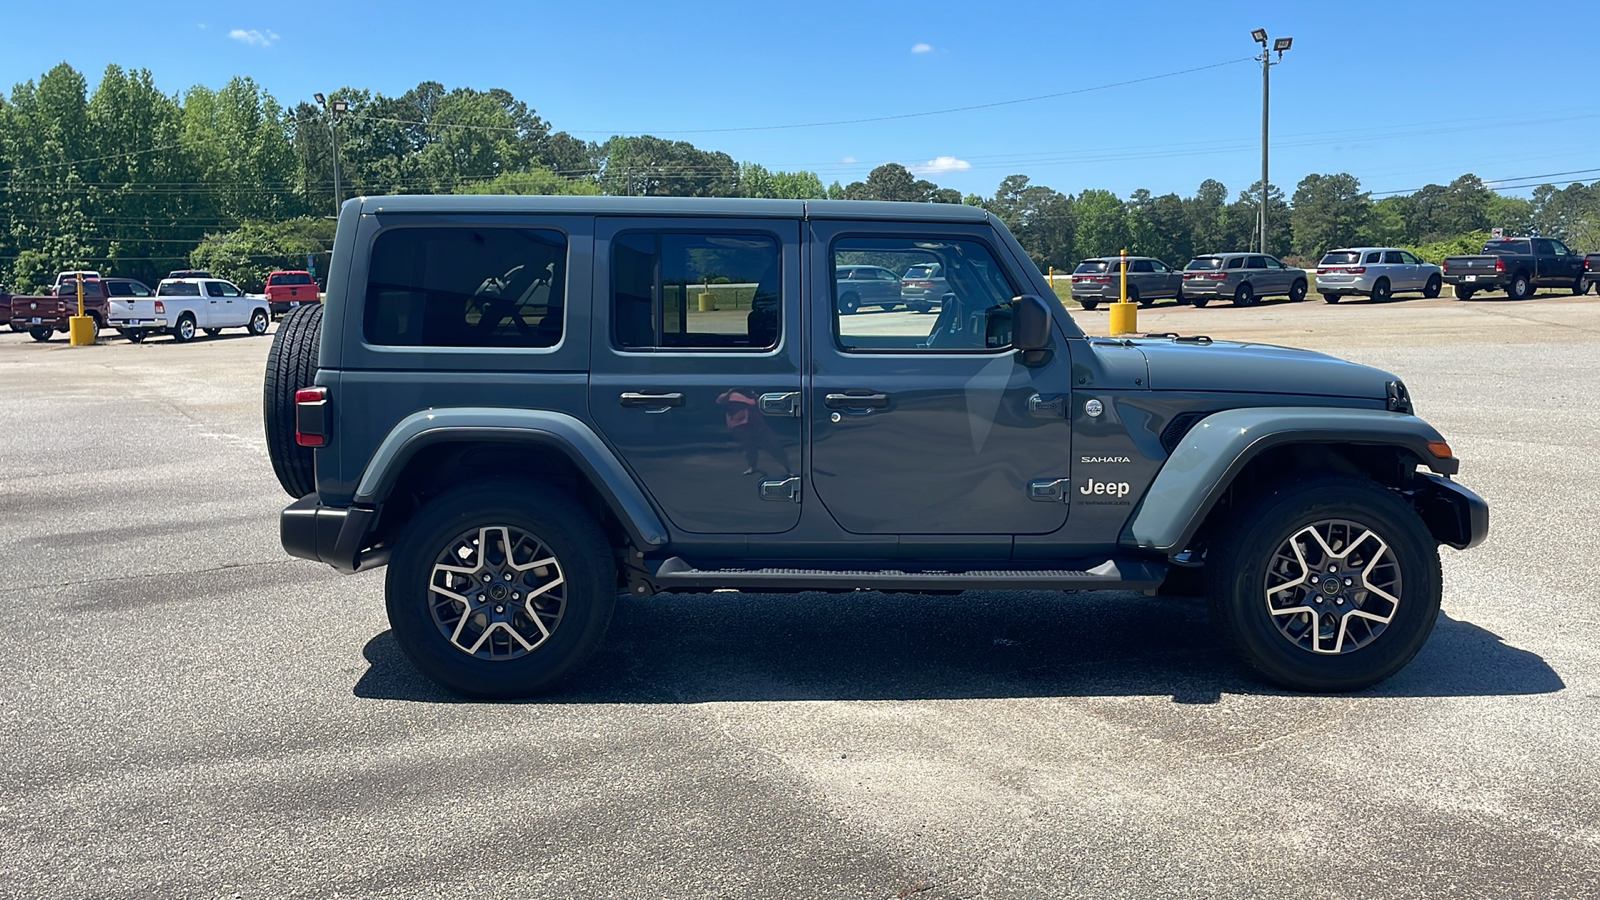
{"points": [[1516, 265], [44, 315], [1591, 271]]}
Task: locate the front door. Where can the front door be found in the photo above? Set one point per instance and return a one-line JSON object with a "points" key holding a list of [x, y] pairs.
{"points": [[927, 422], [695, 378]]}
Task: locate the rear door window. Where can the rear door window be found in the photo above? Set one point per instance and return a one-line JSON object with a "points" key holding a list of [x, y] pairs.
{"points": [[466, 286], [1257, 262], [1394, 258], [1141, 265], [686, 291]]}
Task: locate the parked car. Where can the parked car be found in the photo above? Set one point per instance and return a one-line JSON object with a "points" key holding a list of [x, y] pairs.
{"points": [[515, 495], [858, 286], [1099, 280], [5, 307], [1517, 265], [1376, 272], [55, 286], [1591, 271], [923, 287], [1243, 277], [46, 315], [286, 290], [184, 306]]}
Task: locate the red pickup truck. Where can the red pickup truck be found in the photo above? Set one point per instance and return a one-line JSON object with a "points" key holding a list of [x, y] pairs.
{"points": [[46, 314], [286, 290]]}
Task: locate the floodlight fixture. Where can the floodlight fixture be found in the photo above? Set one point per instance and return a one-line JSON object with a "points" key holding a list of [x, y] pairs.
{"points": [[1282, 44], [341, 106], [1260, 35], [321, 100]]}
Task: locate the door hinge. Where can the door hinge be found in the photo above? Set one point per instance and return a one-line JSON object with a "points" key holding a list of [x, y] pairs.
{"points": [[1048, 490], [785, 491], [780, 404], [1053, 408]]}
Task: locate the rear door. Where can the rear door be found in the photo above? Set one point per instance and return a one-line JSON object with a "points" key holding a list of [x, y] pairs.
{"points": [[212, 309], [1402, 276], [696, 361], [928, 424]]}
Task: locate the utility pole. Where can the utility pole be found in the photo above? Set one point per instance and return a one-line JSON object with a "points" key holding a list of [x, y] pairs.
{"points": [[1267, 62], [339, 108]]}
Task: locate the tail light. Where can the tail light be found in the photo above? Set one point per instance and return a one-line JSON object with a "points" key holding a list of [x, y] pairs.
{"points": [[311, 417], [1357, 270], [1444, 267], [919, 284], [1216, 276], [1499, 264], [161, 308]]}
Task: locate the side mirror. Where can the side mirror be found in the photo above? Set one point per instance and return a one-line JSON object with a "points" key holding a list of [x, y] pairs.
{"points": [[1030, 324]]}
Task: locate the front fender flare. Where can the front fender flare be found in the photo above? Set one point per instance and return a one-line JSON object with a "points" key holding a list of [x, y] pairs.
{"points": [[1213, 452], [558, 431]]}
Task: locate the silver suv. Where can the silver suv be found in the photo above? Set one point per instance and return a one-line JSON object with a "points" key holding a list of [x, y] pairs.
{"points": [[1243, 277], [1099, 280], [1376, 272]]}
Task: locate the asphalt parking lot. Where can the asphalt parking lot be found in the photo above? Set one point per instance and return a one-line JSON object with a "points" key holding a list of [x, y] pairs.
{"points": [[189, 712]]}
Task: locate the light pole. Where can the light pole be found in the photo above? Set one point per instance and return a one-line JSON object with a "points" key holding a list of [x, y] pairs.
{"points": [[1267, 62], [339, 108]]}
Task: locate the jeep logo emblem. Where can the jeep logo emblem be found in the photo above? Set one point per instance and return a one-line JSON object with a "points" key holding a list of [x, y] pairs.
{"points": [[1105, 488]]}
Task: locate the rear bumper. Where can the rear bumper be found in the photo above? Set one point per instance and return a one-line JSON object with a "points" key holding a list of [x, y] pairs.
{"points": [[329, 534], [139, 323], [1353, 284], [1455, 515], [1207, 288], [1475, 281]]}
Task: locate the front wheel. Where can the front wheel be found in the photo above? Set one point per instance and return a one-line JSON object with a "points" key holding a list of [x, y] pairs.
{"points": [[1297, 291], [1327, 584], [1579, 287], [500, 590], [1433, 287]]}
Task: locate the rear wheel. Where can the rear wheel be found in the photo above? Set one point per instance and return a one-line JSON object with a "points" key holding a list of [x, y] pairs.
{"points": [[1332, 298], [98, 325], [849, 303], [1330, 584], [1578, 287], [135, 335], [1433, 287], [1244, 295], [1089, 304], [213, 332], [41, 334], [1180, 299], [1381, 292], [1200, 302], [1521, 287], [258, 323], [1463, 293], [291, 365], [184, 330], [920, 306], [1133, 297], [1297, 291], [500, 590]]}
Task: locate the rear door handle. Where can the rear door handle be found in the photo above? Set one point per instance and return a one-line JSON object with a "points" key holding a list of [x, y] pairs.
{"points": [[636, 400], [856, 401]]}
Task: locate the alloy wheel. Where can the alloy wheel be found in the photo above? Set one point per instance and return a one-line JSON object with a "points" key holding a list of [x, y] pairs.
{"points": [[497, 592], [1332, 587]]}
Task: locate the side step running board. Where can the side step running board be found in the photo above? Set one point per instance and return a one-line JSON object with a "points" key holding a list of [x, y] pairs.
{"points": [[1127, 574]]}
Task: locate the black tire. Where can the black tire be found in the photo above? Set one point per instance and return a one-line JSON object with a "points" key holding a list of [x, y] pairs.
{"points": [[183, 330], [1181, 300], [41, 334], [1520, 288], [1200, 302], [1133, 297], [1332, 298], [98, 325], [583, 562], [921, 306], [849, 303], [259, 320], [1433, 287], [1381, 292], [1297, 291], [1244, 295], [1579, 288], [1090, 305], [135, 335], [1463, 293], [291, 365], [213, 332], [1237, 572]]}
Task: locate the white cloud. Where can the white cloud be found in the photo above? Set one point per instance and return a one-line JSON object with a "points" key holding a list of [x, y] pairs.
{"points": [[921, 48], [253, 37], [940, 165], [848, 160]]}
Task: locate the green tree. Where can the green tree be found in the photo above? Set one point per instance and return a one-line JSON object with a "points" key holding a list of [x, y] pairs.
{"points": [[248, 254], [1102, 223], [1329, 211], [536, 181], [1206, 213], [647, 166], [1041, 218]]}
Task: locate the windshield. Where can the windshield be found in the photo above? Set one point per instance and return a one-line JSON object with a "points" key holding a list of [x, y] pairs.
{"points": [[1342, 258], [1201, 263], [178, 289], [1091, 267]]}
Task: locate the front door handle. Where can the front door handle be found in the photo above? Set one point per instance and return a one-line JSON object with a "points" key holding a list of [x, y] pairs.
{"points": [[637, 400], [861, 400]]}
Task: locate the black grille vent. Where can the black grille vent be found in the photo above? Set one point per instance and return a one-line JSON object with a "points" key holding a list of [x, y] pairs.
{"points": [[1177, 428]]}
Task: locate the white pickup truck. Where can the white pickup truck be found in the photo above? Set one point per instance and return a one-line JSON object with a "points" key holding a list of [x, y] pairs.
{"points": [[184, 306]]}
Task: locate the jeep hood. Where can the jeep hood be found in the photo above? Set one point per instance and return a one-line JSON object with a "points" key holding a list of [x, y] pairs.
{"points": [[1182, 365]]}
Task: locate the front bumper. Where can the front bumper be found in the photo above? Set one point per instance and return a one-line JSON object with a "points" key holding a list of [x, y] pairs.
{"points": [[1455, 515], [329, 534]]}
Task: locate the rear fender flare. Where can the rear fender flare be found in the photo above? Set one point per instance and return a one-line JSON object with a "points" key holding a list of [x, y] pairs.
{"points": [[1218, 447], [558, 431]]}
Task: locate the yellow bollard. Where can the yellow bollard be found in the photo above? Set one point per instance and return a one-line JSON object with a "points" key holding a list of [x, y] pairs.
{"points": [[707, 303], [80, 328], [1124, 315]]}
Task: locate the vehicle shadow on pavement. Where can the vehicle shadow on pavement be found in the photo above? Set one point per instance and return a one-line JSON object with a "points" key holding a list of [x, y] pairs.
{"points": [[737, 647]]}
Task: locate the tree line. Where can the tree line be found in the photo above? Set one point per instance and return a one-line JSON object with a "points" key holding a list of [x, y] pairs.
{"points": [[130, 179]]}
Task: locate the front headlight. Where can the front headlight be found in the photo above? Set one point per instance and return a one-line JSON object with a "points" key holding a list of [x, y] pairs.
{"points": [[1399, 397]]}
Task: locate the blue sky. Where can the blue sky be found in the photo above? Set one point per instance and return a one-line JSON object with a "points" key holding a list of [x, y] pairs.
{"points": [[1397, 93]]}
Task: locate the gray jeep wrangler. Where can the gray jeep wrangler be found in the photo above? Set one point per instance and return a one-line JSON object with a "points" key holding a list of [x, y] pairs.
{"points": [[525, 406]]}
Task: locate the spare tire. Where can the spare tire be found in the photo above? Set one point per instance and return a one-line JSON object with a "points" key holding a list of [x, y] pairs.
{"points": [[291, 365]]}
